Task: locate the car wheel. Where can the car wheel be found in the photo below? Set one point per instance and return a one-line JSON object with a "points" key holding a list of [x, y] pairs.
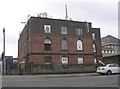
{"points": [[109, 72]]}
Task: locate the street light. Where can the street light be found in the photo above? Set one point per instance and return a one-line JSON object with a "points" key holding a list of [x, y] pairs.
{"points": [[4, 51]]}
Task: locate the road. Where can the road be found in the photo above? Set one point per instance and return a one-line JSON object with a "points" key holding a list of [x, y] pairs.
{"points": [[61, 81]]}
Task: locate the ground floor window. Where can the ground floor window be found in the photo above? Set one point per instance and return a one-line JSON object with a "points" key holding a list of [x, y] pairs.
{"points": [[48, 59], [80, 60], [64, 60]]}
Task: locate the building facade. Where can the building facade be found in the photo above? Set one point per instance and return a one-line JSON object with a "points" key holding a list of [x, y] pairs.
{"points": [[111, 49], [59, 45], [110, 46]]}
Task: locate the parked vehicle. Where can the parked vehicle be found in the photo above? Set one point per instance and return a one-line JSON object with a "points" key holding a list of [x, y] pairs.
{"points": [[109, 69]]}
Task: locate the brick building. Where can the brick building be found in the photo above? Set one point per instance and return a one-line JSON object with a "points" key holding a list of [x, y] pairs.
{"points": [[59, 45]]}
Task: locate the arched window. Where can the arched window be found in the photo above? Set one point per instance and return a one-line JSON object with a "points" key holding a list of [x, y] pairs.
{"points": [[64, 44], [79, 45], [47, 44], [94, 48]]}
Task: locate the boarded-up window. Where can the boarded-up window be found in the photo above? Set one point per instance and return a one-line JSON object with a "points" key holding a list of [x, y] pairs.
{"points": [[64, 44]]}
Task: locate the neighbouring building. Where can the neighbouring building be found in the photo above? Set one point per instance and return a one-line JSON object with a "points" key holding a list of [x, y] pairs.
{"points": [[110, 49], [47, 44], [110, 46]]}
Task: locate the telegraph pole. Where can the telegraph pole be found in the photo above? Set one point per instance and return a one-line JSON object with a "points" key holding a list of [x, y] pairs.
{"points": [[4, 52]]}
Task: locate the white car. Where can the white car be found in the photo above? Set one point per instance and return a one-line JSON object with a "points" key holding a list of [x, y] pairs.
{"points": [[109, 69]]}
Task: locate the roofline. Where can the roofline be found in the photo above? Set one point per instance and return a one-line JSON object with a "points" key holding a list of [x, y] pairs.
{"points": [[59, 19], [110, 36]]}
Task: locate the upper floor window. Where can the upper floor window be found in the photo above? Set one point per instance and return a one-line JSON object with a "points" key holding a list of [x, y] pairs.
{"points": [[78, 31], [64, 30], [79, 45], [93, 36], [47, 44], [64, 44], [94, 48], [47, 28], [87, 27]]}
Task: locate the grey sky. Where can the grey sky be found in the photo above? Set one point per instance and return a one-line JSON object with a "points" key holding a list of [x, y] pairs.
{"points": [[102, 13]]}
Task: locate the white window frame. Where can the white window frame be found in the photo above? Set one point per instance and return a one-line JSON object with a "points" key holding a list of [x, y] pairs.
{"points": [[79, 45], [63, 30], [47, 28], [80, 60], [64, 60]]}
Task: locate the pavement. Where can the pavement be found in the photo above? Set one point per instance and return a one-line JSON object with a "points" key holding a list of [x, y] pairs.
{"points": [[69, 75], [54, 75]]}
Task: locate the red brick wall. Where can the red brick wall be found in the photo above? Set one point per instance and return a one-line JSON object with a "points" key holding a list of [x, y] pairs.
{"points": [[37, 36]]}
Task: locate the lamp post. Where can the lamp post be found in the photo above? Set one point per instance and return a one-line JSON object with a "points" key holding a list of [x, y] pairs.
{"points": [[4, 52]]}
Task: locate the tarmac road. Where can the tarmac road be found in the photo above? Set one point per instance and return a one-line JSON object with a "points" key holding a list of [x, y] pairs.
{"points": [[70, 80]]}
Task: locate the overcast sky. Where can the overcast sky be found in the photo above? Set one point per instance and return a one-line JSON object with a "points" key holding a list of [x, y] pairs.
{"points": [[102, 13]]}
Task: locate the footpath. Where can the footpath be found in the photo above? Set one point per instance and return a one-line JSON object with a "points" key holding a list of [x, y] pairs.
{"points": [[53, 75]]}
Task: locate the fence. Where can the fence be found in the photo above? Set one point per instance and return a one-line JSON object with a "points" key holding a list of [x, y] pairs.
{"points": [[59, 68]]}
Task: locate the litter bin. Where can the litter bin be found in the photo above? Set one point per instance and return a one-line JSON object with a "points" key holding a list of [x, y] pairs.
{"points": [[21, 71]]}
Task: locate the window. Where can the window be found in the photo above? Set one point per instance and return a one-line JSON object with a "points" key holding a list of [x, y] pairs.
{"points": [[112, 51], [64, 44], [79, 45], [95, 61], [64, 30], [94, 48], [105, 51], [64, 60], [115, 52], [47, 44], [87, 26], [80, 60], [48, 59], [93, 36], [108, 46], [47, 28], [111, 65], [102, 51], [78, 31]]}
